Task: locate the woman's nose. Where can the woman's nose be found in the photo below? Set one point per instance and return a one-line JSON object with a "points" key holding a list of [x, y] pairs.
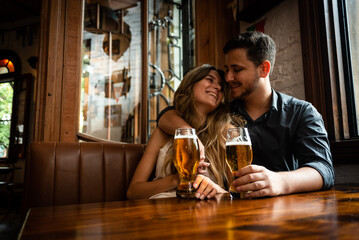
{"points": [[217, 86]]}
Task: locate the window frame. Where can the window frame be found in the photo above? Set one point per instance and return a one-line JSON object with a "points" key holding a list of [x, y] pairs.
{"points": [[326, 74], [348, 72]]}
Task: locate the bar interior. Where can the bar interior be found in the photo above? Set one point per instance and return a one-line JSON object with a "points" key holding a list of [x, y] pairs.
{"points": [[82, 86]]}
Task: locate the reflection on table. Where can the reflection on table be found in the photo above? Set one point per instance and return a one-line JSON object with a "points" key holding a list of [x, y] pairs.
{"points": [[329, 214]]}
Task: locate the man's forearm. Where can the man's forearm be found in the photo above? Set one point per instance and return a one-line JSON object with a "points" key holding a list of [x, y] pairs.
{"points": [[170, 121], [304, 179]]}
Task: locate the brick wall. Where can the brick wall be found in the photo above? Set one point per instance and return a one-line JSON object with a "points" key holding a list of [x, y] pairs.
{"points": [[282, 24]]}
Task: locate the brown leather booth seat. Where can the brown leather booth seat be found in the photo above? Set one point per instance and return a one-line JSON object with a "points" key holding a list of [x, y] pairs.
{"points": [[72, 173]]}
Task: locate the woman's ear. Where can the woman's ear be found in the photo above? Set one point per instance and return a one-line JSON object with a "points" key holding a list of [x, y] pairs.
{"points": [[265, 69]]}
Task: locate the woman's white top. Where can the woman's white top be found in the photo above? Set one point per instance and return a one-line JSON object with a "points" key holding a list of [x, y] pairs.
{"points": [[161, 174]]}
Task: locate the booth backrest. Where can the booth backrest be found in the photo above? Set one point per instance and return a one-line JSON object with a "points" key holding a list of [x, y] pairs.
{"points": [[73, 173]]}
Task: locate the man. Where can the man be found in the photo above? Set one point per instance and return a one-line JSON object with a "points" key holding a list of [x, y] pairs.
{"points": [[290, 145]]}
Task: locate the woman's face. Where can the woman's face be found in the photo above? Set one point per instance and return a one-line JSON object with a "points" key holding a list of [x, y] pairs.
{"points": [[208, 92]]}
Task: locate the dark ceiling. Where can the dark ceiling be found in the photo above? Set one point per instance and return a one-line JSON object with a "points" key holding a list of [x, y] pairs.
{"points": [[14, 10]]}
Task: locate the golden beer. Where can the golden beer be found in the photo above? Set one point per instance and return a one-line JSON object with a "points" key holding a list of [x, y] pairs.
{"points": [[186, 159], [238, 153]]}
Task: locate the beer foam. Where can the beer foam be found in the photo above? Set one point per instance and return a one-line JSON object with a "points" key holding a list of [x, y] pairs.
{"points": [[186, 136], [238, 143]]}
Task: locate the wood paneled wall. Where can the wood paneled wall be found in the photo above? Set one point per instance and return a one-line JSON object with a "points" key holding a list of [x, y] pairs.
{"points": [[58, 86], [215, 25]]}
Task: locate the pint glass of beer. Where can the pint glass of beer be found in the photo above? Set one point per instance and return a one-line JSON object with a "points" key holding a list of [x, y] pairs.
{"points": [[186, 159], [238, 153]]}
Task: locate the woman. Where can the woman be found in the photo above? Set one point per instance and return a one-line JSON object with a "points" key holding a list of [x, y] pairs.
{"points": [[200, 101]]}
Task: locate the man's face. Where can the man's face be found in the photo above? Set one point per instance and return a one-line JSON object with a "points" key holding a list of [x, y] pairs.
{"points": [[242, 74]]}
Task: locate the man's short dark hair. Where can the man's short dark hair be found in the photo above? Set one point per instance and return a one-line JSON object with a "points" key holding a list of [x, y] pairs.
{"points": [[259, 47]]}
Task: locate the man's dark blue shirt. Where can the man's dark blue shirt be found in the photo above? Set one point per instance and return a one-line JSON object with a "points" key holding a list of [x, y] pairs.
{"points": [[289, 136]]}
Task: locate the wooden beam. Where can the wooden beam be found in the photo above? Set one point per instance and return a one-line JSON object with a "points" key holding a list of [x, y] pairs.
{"points": [[144, 102], [70, 97], [215, 25], [58, 83], [49, 82]]}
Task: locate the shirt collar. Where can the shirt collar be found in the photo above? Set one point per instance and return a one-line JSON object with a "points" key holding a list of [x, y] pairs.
{"points": [[274, 100]]}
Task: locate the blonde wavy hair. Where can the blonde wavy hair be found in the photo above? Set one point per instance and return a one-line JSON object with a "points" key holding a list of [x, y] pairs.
{"points": [[212, 131]]}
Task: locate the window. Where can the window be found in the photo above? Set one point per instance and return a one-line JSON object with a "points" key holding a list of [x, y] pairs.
{"points": [[6, 95], [171, 53], [111, 71], [112, 98], [6, 66], [330, 58], [350, 37]]}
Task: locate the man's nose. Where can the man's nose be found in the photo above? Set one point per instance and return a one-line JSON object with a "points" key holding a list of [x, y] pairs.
{"points": [[229, 76]]}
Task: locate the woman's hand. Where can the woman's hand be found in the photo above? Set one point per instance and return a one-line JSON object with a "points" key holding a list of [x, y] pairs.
{"points": [[202, 165], [201, 169], [206, 188]]}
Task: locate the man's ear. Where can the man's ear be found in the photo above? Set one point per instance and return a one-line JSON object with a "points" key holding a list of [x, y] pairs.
{"points": [[264, 68]]}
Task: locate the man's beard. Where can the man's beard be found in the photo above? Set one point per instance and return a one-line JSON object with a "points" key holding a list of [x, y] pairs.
{"points": [[248, 92]]}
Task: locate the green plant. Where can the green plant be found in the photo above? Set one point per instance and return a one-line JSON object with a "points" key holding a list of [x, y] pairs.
{"points": [[6, 95]]}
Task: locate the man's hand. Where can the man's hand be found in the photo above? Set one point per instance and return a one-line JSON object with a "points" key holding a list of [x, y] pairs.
{"points": [[263, 182], [259, 181]]}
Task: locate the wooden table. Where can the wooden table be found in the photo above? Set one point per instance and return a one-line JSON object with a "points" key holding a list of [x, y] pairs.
{"points": [[332, 214]]}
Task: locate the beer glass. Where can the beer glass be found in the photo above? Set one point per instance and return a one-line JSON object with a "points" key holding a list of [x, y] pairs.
{"points": [[238, 153], [186, 159]]}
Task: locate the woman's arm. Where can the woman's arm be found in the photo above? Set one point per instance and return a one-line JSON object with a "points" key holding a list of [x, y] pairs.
{"points": [[140, 187], [170, 121]]}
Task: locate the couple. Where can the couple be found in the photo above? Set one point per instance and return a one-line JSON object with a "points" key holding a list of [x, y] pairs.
{"points": [[290, 145]]}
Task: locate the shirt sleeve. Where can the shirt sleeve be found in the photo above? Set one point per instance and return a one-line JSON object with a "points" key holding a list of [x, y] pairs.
{"points": [[164, 111], [311, 145]]}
